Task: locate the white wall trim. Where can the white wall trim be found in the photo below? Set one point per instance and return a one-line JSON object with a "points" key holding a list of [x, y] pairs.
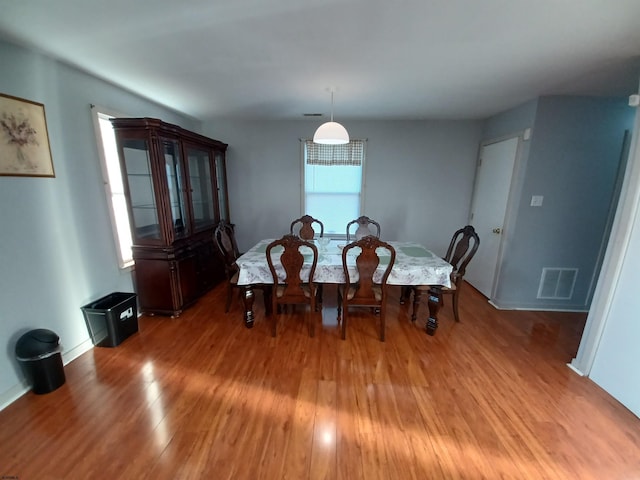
{"points": [[76, 351], [575, 369], [9, 396], [537, 308]]}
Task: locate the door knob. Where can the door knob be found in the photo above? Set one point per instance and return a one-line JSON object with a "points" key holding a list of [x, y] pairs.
{"points": [[497, 230]]}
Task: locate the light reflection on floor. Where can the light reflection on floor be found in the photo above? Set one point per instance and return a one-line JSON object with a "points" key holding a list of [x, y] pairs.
{"points": [[155, 407]]}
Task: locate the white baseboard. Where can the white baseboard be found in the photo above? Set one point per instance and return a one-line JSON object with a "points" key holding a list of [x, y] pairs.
{"points": [[496, 306], [75, 352], [538, 309], [575, 369], [13, 394]]}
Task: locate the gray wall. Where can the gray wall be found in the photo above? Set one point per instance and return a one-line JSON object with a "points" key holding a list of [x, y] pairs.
{"points": [[419, 176], [510, 122], [615, 366], [612, 332], [57, 247], [572, 160]]}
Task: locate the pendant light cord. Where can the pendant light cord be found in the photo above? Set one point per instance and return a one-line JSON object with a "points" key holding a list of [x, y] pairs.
{"points": [[332, 105]]}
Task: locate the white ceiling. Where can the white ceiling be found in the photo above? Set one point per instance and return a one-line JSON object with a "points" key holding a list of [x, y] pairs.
{"points": [[387, 59]]}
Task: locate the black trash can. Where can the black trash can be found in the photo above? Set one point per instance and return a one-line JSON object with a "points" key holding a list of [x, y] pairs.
{"points": [[38, 352], [111, 319]]}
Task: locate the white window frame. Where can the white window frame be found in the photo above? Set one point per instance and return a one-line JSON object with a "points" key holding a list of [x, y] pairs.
{"points": [[119, 217], [303, 189]]}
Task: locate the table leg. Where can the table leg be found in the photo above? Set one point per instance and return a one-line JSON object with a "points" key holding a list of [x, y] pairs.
{"points": [[434, 302], [247, 299], [405, 294]]}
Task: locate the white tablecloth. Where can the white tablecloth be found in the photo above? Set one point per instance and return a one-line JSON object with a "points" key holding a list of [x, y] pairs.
{"points": [[414, 265]]}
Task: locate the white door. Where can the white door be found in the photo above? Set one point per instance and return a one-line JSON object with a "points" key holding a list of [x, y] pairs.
{"points": [[490, 197]]}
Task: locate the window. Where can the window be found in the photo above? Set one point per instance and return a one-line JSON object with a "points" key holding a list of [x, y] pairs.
{"points": [[114, 188], [333, 179]]}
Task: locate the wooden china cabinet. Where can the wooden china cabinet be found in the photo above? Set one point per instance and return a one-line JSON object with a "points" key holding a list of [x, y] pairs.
{"points": [[176, 191]]}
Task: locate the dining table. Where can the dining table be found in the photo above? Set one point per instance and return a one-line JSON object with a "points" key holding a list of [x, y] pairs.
{"points": [[415, 265]]}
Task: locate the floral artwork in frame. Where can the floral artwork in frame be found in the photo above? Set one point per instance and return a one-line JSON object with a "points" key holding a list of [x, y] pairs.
{"points": [[24, 141]]}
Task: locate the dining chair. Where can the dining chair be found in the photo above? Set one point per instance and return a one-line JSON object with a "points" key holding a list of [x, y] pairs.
{"points": [[303, 227], [464, 245], [363, 290], [291, 289], [225, 240], [363, 228]]}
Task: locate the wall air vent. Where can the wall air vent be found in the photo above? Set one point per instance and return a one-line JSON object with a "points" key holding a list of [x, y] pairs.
{"points": [[557, 283]]}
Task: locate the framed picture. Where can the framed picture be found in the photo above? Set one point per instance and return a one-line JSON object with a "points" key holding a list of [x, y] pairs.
{"points": [[24, 141]]}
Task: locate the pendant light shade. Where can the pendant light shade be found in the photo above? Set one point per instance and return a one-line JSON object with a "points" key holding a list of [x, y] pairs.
{"points": [[331, 133]]}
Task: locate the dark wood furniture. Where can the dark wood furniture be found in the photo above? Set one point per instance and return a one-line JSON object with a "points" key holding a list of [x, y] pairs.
{"points": [[303, 227], [225, 239], [464, 245], [363, 228], [365, 292], [292, 289], [176, 191]]}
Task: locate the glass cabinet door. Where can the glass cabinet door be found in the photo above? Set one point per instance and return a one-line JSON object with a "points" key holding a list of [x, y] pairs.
{"points": [[221, 182], [176, 187], [144, 212], [201, 182]]}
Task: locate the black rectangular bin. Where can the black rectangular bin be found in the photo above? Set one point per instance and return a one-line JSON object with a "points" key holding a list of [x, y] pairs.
{"points": [[111, 319]]}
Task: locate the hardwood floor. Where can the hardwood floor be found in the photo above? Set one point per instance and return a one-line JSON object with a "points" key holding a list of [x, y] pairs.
{"points": [[203, 397]]}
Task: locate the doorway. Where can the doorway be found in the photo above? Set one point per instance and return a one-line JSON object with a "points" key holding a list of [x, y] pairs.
{"points": [[494, 174]]}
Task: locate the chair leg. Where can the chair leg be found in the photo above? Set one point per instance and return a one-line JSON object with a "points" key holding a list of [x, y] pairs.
{"points": [[416, 301], [319, 300], [382, 322], [266, 296], [313, 310], [274, 318], [229, 297], [455, 304], [344, 321]]}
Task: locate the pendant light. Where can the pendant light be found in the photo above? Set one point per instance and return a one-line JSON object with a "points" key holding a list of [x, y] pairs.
{"points": [[331, 133]]}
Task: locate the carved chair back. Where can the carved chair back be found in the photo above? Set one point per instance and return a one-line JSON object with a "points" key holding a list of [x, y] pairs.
{"points": [[363, 228], [464, 245], [303, 227], [225, 239]]}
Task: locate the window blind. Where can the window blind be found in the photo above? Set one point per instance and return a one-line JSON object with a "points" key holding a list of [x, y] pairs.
{"points": [[350, 153]]}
